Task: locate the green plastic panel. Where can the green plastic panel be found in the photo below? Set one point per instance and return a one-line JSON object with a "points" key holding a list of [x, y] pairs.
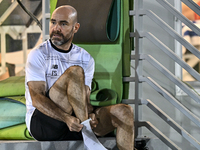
{"points": [[17, 132], [112, 59], [12, 86]]}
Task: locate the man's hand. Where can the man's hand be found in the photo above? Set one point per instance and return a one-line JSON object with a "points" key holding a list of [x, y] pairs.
{"points": [[94, 121], [73, 124]]}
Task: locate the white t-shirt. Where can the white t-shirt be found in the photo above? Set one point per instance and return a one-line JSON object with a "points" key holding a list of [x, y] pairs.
{"points": [[47, 63]]}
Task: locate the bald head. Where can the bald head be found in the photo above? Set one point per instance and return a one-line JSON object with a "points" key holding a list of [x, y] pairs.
{"points": [[67, 10]]}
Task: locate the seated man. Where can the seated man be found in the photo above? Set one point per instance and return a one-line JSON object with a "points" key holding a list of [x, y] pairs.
{"points": [[58, 83]]}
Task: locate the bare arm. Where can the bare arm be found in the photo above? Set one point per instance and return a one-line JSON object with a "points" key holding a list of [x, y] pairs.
{"points": [[188, 12], [49, 108]]}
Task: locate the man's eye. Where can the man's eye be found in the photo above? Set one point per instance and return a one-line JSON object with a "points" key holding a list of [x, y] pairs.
{"points": [[53, 22], [64, 24]]}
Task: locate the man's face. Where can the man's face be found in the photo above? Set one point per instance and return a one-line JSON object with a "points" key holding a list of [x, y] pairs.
{"points": [[61, 28]]}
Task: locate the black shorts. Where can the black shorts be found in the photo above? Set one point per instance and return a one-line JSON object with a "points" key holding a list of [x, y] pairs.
{"points": [[45, 128]]}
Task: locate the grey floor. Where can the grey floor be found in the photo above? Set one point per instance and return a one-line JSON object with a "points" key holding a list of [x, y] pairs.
{"points": [[109, 143]]}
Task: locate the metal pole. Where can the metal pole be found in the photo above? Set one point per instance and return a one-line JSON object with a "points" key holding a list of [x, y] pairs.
{"points": [[45, 19], [138, 22], [3, 52]]}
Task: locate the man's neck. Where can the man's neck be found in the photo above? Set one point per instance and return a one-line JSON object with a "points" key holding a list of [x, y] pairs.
{"points": [[65, 47], [60, 48]]}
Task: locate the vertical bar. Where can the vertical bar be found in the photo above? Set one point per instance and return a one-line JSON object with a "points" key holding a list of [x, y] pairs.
{"points": [[178, 46], [138, 4], [25, 47], [3, 52], [45, 19]]}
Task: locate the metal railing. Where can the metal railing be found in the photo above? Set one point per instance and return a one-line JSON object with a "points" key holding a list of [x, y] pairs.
{"points": [[139, 79]]}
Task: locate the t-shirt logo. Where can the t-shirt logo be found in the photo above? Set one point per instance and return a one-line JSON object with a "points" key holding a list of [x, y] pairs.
{"points": [[54, 73], [54, 67]]}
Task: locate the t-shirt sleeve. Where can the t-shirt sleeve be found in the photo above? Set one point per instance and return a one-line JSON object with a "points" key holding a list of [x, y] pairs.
{"points": [[35, 66], [89, 72]]}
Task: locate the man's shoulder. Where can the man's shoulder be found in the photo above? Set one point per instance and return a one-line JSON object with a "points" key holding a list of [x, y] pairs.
{"points": [[79, 49], [41, 48]]}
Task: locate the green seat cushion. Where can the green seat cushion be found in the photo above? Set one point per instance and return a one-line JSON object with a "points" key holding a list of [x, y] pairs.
{"points": [[12, 86]]}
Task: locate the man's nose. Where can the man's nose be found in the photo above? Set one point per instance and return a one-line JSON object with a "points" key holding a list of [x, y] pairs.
{"points": [[57, 27]]}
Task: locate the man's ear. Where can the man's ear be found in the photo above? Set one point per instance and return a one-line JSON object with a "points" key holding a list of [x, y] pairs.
{"points": [[76, 27]]}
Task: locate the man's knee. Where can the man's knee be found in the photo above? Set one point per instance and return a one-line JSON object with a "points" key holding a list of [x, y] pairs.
{"points": [[123, 110], [122, 115], [75, 70]]}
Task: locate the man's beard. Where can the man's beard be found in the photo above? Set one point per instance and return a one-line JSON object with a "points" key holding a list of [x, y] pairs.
{"points": [[58, 41]]}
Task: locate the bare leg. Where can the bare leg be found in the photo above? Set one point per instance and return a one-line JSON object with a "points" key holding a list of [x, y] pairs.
{"points": [[118, 116], [68, 92]]}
